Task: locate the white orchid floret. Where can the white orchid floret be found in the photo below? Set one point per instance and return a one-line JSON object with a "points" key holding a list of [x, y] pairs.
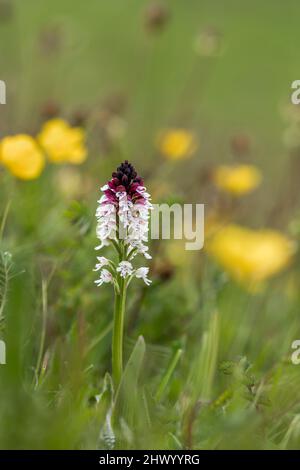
{"points": [[105, 278], [103, 243], [125, 208], [139, 248], [142, 273], [102, 261], [106, 218], [125, 269], [138, 228]]}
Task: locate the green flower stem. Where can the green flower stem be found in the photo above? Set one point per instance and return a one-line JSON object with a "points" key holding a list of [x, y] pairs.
{"points": [[118, 331]]}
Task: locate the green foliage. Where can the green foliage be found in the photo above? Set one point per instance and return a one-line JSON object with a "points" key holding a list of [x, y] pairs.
{"points": [[5, 274]]}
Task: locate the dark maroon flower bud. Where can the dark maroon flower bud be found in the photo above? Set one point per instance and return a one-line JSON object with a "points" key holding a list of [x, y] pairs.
{"points": [[125, 179], [125, 174]]}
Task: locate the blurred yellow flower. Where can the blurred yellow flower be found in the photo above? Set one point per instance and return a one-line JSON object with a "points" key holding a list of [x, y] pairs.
{"points": [[22, 156], [63, 143], [177, 144], [238, 179], [251, 256]]}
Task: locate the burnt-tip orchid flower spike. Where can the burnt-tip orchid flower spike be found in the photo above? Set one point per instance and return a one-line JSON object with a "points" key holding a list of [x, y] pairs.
{"points": [[122, 214]]}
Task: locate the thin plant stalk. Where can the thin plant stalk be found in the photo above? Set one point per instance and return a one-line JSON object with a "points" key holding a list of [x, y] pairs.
{"points": [[43, 333], [4, 218], [118, 333]]}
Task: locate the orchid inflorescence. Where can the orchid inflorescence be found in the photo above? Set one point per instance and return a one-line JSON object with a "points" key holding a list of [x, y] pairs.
{"points": [[123, 222]]}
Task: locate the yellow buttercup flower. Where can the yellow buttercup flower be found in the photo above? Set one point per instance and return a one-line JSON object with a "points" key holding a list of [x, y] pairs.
{"points": [[63, 143], [177, 144], [251, 256], [22, 156], [237, 180]]}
